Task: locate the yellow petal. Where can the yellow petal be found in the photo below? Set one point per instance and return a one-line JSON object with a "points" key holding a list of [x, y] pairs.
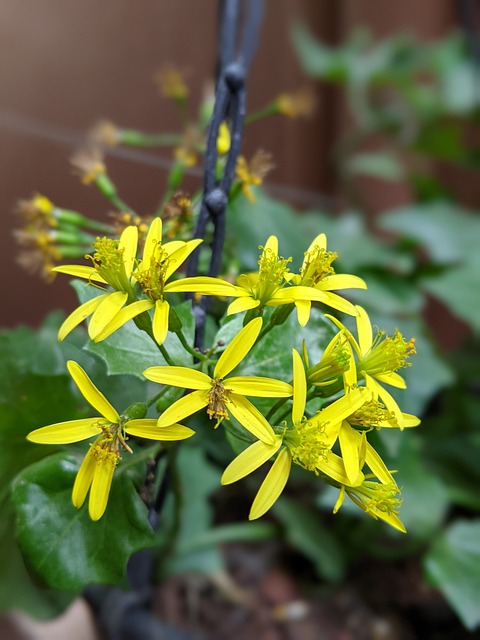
{"points": [[272, 486], [149, 429], [101, 483], [271, 245], [378, 466], [333, 467], [203, 284], [128, 241], [84, 479], [79, 315], [106, 312], [180, 255], [410, 421], [242, 304], [391, 519], [299, 388], [80, 271], [350, 374], [303, 311], [91, 394], [341, 281], [249, 460], [182, 377], [392, 378], [259, 387], [160, 320], [390, 403], [65, 432], [182, 408], [292, 294], [320, 242], [343, 407], [364, 330], [349, 448], [154, 236], [238, 348], [250, 417], [340, 499], [123, 316]]}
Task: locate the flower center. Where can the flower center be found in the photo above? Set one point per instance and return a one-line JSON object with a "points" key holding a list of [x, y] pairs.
{"points": [[217, 400], [305, 444], [331, 365], [272, 270], [152, 277], [317, 265], [108, 260], [388, 353], [371, 414], [373, 496]]}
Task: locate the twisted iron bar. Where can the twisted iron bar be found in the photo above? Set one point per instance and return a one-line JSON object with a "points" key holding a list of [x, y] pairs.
{"points": [[230, 101]]}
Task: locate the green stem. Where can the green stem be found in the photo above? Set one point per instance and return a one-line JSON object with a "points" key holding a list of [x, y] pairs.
{"points": [[166, 355], [157, 396], [183, 341]]}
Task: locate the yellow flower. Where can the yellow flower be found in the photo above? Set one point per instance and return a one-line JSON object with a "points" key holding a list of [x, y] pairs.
{"points": [[88, 164], [221, 395], [378, 499], [113, 264], [96, 471], [271, 284], [171, 82], [252, 174], [158, 264], [297, 103], [317, 272], [378, 359], [223, 139], [307, 442]]}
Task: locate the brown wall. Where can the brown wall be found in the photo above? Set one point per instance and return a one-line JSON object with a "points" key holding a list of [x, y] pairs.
{"points": [[65, 64]]}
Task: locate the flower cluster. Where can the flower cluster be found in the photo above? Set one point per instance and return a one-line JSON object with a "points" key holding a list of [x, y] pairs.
{"points": [[319, 419]]}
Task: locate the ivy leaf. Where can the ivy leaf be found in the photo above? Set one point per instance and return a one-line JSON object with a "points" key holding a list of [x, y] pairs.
{"points": [[130, 350], [453, 566], [61, 545]]}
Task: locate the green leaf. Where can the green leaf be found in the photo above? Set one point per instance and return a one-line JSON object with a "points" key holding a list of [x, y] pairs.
{"points": [[458, 290], [381, 165], [305, 531], [317, 59], [130, 350], [447, 232], [61, 545], [18, 591], [453, 566]]}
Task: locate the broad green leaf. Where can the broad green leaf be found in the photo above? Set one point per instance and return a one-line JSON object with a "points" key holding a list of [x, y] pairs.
{"points": [[447, 232], [458, 290], [17, 589], [130, 350], [305, 531], [60, 544], [453, 566]]}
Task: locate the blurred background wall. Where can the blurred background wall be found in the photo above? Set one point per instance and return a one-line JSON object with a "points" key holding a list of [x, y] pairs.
{"points": [[64, 65]]}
